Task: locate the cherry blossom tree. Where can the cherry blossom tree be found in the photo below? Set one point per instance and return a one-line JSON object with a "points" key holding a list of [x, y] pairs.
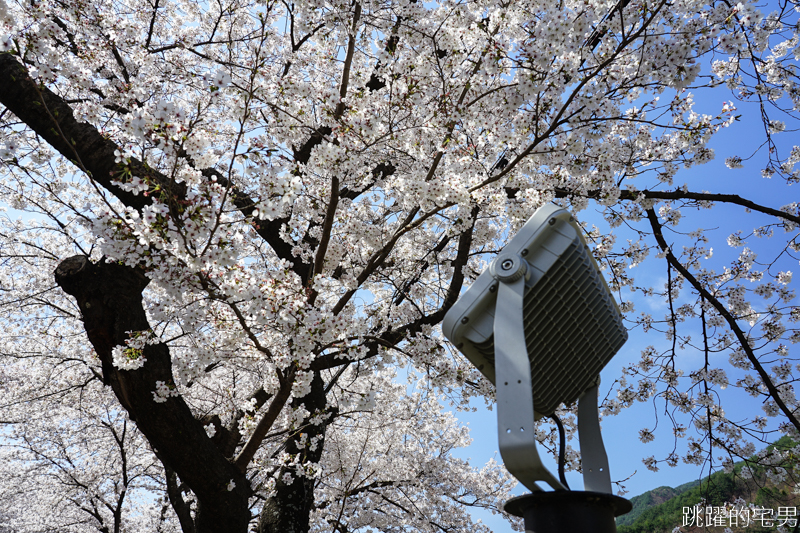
{"points": [[234, 227]]}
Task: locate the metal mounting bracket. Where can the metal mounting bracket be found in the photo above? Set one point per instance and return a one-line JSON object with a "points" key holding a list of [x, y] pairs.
{"points": [[515, 415], [515, 409], [594, 460]]}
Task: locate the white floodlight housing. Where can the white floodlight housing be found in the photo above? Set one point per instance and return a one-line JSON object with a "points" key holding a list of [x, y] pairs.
{"points": [[540, 323]]}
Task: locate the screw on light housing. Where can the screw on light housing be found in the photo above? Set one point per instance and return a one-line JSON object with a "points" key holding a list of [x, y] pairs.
{"points": [[509, 267]]}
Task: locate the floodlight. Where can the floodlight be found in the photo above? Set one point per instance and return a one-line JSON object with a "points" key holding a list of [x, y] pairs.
{"points": [[540, 323]]}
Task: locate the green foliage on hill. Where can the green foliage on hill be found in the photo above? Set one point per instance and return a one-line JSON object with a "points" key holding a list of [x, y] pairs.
{"points": [[652, 498], [649, 516]]}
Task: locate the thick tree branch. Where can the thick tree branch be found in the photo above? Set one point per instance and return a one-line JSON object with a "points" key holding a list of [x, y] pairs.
{"points": [[333, 202], [152, 26], [228, 438], [289, 509], [348, 61], [681, 195], [179, 505], [264, 425], [327, 225], [375, 261], [457, 282], [50, 117], [711, 197], [729, 318]]}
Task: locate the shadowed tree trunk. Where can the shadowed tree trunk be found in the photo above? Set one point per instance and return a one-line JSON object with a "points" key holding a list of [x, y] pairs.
{"points": [[110, 300], [289, 509]]}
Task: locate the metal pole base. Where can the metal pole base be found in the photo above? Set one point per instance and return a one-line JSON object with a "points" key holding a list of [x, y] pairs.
{"points": [[568, 511]]}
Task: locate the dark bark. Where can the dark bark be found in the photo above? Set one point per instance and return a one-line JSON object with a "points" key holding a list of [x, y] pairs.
{"points": [[175, 496], [677, 195], [289, 509], [52, 119], [110, 300], [267, 420]]}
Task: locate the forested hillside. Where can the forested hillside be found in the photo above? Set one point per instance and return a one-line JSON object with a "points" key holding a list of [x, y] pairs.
{"points": [[750, 486], [652, 498]]}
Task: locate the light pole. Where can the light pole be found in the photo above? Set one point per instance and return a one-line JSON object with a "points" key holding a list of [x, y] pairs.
{"points": [[540, 323]]}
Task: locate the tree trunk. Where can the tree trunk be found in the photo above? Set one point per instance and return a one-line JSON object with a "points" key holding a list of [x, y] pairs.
{"points": [[289, 509], [110, 300]]}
